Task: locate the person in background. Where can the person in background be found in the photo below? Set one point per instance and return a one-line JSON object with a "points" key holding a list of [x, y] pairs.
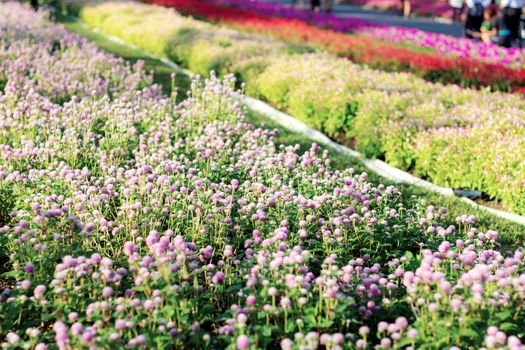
{"points": [[315, 5], [475, 16], [493, 29], [512, 10], [406, 8], [500, 33], [457, 9]]}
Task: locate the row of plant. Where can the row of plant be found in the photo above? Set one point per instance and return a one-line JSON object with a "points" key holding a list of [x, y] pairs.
{"points": [[131, 221], [455, 137], [442, 43], [478, 63], [440, 8]]}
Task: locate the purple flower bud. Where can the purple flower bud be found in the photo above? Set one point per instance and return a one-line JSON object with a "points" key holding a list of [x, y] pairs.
{"points": [[129, 248], [218, 277], [29, 267]]}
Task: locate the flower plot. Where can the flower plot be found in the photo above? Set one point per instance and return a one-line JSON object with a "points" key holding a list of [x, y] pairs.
{"points": [[132, 221]]}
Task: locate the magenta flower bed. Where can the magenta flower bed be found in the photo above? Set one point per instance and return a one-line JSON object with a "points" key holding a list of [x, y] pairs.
{"points": [[438, 8]]}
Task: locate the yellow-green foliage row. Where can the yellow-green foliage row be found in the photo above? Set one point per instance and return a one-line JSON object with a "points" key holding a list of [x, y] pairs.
{"points": [[455, 137]]}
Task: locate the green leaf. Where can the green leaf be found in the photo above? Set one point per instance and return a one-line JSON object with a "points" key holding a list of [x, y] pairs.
{"points": [[509, 327], [267, 331], [469, 333], [504, 315]]}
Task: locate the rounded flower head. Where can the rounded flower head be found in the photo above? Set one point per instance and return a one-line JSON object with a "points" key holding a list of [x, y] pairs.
{"points": [[39, 291], [29, 268], [243, 342]]}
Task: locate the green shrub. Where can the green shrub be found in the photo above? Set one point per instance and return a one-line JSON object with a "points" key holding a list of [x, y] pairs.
{"points": [[376, 109], [275, 82]]}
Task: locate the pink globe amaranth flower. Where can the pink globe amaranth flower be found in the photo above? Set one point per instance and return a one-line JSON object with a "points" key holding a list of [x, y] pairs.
{"points": [[61, 330], [149, 305], [412, 333], [432, 307], [243, 342], [286, 302], [120, 324], [72, 317], [39, 291], [88, 335], [364, 330], [140, 339], [360, 344], [491, 341], [76, 328], [12, 338], [514, 342], [382, 326], [492, 330], [25, 284], [286, 344], [218, 277], [501, 337], [386, 343], [251, 300], [129, 248], [402, 322], [41, 346], [107, 292]]}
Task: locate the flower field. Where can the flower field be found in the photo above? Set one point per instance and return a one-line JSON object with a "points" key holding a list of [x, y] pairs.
{"points": [[129, 220], [455, 137], [460, 61], [443, 44]]}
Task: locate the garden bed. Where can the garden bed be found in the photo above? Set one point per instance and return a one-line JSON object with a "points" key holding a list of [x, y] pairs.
{"points": [[436, 131], [139, 221]]}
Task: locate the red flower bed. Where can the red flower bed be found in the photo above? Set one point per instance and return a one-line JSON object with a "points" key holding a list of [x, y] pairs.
{"points": [[433, 67]]}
